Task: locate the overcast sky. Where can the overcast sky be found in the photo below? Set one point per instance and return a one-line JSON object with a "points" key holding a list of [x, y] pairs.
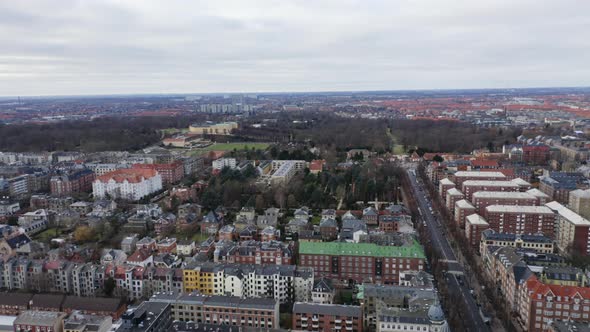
{"points": [[115, 47]]}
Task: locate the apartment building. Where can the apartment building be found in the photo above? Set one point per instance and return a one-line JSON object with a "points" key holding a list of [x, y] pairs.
{"points": [[68, 183], [474, 226], [538, 243], [326, 317], [463, 208], [132, 184], [461, 176], [222, 310], [470, 187], [579, 202], [346, 262], [483, 199], [573, 231], [170, 172], [521, 219]]}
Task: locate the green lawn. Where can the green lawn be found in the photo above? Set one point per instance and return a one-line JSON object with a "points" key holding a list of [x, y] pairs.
{"points": [[397, 148], [198, 237], [231, 147], [315, 220], [47, 235]]}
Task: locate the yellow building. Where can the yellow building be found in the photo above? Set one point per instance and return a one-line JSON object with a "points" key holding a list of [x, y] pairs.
{"points": [[206, 279], [222, 128]]}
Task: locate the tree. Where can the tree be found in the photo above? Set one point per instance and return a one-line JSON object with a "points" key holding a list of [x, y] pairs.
{"points": [[291, 201], [259, 203], [109, 286], [84, 234], [438, 158]]}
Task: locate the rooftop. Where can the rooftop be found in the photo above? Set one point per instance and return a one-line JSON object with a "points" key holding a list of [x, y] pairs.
{"points": [[476, 219], [360, 249], [131, 175], [568, 214], [476, 174], [464, 204], [327, 309], [503, 194], [490, 183], [518, 209]]}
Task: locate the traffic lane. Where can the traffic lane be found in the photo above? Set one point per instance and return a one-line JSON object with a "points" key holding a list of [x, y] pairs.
{"points": [[473, 319]]}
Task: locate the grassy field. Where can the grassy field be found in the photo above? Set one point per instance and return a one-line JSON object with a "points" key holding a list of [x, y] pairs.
{"points": [[198, 237], [397, 148], [47, 235], [231, 147]]}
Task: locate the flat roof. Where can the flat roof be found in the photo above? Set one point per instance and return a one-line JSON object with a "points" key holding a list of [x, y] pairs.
{"points": [[480, 174], [465, 204], [360, 249], [568, 214], [490, 183], [446, 181], [503, 194], [476, 219], [454, 192], [519, 209], [537, 193]]}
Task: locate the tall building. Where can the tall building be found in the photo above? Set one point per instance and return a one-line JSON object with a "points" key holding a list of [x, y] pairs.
{"points": [[573, 231], [521, 219], [579, 202]]}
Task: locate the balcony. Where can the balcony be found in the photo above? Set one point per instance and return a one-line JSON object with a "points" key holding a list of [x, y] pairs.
{"points": [[349, 328], [338, 321], [315, 319]]}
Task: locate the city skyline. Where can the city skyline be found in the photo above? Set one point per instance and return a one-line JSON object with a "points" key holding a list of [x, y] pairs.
{"points": [[98, 48]]}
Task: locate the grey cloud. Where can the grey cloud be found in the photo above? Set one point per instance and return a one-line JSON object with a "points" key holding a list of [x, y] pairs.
{"points": [[70, 47]]}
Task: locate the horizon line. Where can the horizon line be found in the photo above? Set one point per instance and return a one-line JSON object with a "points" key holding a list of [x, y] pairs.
{"points": [[139, 94]]}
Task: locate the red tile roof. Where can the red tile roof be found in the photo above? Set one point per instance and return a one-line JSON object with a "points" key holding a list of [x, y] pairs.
{"points": [[132, 175], [484, 163], [536, 287]]}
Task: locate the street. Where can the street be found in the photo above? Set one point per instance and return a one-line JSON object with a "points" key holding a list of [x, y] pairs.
{"points": [[440, 243]]}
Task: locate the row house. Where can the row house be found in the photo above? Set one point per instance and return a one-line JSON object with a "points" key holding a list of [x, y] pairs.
{"points": [[283, 282]]}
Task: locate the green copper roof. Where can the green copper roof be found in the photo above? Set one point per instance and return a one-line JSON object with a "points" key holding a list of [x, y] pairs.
{"points": [[361, 249]]}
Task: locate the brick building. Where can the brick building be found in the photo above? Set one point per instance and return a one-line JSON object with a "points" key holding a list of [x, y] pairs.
{"points": [[462, 176], [535, 154], [521, 219], [573, 230], [453, 195], [472, 186], [71, 182], [463, 208], [483, 199], [474, 226], [326, 317], [540, 304], [170, 173], [348, 263]]}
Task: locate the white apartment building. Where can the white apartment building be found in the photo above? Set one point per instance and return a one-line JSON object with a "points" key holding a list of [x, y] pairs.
{"points": [[221, 163], [132, 184]]}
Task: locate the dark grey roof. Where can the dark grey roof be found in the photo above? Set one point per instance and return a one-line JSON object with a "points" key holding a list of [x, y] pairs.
{"points": [[327, 309]]}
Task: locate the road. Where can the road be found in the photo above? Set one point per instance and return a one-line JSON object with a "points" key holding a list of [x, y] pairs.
{"points": [[440, 243]]}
